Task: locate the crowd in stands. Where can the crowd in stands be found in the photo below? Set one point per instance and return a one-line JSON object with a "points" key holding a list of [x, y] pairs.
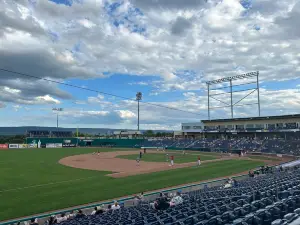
{"points": [[268, 197], [267, 145], [44, 133]]}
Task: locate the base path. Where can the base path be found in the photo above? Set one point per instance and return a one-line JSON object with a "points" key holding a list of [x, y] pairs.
{"points": [[107, 161]]}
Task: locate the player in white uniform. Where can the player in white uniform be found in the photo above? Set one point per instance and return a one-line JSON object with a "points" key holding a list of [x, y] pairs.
{"points": [[199, 161], [172, 160]]}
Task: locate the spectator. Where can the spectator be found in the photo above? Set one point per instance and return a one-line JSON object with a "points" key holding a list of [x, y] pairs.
{"points": [[234, 183], [176, 200], [136, 200], [227, 185], [80, 214], [141, 196], [94, 211], [71, 215], [109, 207], [100, 210], [161, 203], [33, 221], [52, 220], [115, 206], [251, 174], [62, 218]]}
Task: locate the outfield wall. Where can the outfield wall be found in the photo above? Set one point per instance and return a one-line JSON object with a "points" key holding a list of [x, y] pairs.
{"points": [[119, 143], [88, 142]]}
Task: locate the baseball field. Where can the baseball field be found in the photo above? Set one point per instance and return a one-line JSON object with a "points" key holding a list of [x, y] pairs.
{"points": [[40, 180]]}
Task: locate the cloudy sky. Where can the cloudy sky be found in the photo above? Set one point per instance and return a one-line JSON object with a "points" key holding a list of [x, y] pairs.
{"points": [[166, 49]]}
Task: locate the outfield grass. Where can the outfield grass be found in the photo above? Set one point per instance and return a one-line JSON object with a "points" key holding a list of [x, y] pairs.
{"points": [[32, 181], [159, 157]]}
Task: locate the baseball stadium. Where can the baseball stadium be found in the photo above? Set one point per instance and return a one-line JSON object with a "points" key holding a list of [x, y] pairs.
{"points": [[149, 112], [221, 171]]}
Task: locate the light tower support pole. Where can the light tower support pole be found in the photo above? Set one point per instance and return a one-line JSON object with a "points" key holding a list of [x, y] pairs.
{"points": [[138, 115], [57, 110], [231, 102], [138, 98], [258, 99], [208, 106]]}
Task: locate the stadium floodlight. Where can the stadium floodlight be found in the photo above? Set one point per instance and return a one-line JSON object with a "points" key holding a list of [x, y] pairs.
{"points": [[57, 110], [138, 98]]}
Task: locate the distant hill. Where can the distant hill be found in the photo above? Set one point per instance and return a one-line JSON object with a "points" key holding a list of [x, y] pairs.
{"points": [[92, 131]]}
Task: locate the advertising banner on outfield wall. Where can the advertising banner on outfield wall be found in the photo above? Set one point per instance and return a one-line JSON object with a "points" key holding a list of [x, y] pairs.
{"points": [[69, 145], [3, 145], [13, 146], [54, 145], [23, 146], [32, 145]]}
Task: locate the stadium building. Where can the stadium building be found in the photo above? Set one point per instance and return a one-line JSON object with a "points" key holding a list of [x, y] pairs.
{"points": [[284, 127]]}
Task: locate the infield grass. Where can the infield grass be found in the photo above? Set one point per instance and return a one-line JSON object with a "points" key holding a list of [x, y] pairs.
{"points": [[32, 181], [160, 157]]}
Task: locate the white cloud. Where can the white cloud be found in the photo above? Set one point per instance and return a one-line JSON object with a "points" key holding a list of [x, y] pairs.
{"points": [[211, 39], [98, 99], [11, 90], [126, 114], [16, 107], [46, 100], [86, 23]]}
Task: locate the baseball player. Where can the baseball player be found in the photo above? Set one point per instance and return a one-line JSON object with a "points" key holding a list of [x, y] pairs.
{"points": [[141, 154], [172, 160], [199, 161], [138, 159]]}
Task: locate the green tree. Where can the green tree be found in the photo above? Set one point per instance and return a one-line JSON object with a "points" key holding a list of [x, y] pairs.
{"points": [[149, 133]]}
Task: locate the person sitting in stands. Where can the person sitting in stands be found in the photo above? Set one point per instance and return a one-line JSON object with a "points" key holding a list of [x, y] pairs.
{"points": [[100, 210], [141, 196], [227, 185], [94, 211], [62, 218], [33, 221], [80, 214], [161, 203], [176, 200], [52, 220], [138, 199], [71, 215], [116, 206]]}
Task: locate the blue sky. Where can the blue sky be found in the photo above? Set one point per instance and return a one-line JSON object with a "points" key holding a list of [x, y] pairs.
{"points": [[165, 49]]}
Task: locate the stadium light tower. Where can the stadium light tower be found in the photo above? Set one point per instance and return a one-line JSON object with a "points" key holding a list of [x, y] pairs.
{"points": [[253, 87], [138, 98], [57, 110]]}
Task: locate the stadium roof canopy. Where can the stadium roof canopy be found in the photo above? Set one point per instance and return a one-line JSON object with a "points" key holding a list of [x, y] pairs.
{"points": [[294, 116]]}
